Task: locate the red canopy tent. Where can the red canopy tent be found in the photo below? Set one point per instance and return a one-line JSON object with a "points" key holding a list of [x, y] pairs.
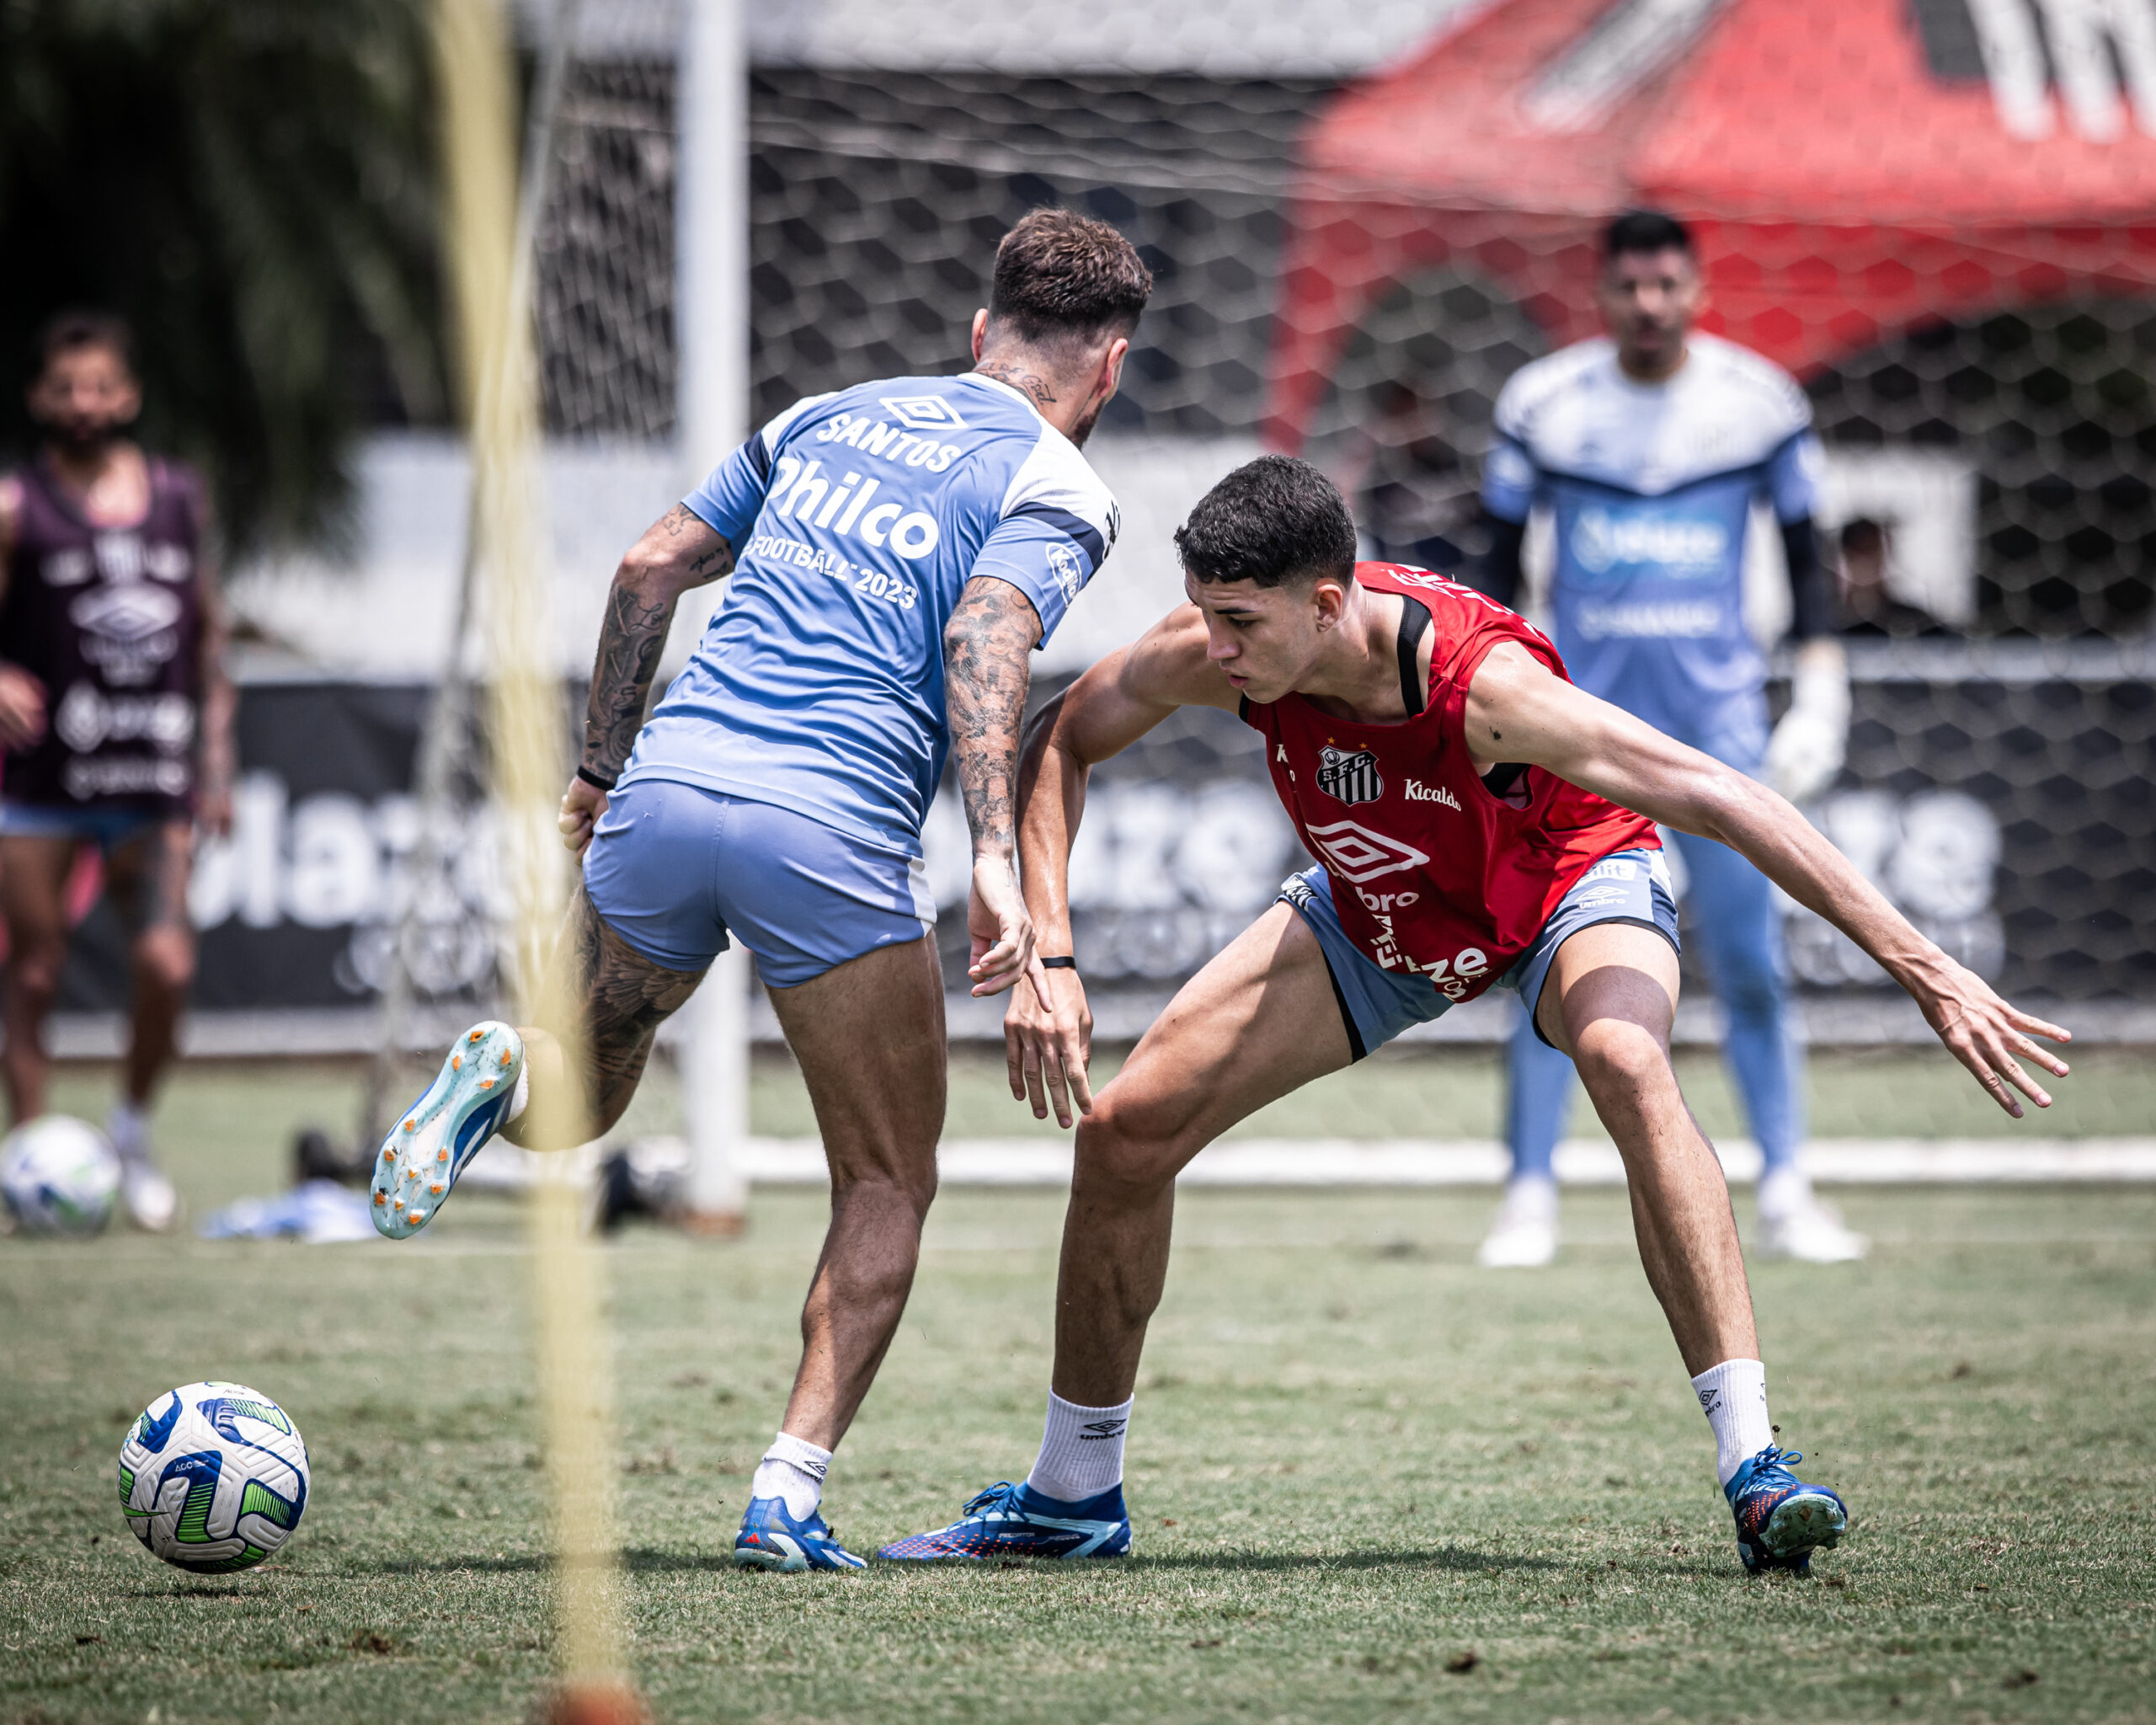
{"points": [[1852, 167]]}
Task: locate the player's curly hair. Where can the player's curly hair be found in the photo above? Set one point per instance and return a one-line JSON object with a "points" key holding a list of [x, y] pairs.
{"points": [[1272, 521], [1059, 274]]}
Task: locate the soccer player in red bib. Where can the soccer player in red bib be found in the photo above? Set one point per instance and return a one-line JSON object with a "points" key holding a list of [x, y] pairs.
{"points": [[1481, 823]]}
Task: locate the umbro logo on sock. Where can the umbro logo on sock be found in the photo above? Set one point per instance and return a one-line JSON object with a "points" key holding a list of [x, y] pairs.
{"points": [[1095, 1429], [1708, 1398]]}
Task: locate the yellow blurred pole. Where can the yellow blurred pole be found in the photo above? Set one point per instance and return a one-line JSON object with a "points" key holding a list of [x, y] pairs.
{"points": [[530, 764]]}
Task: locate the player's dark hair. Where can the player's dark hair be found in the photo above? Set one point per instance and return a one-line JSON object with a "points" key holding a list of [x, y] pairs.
{"points": [[71, 331], [1648, 231], [1272, 521], [1060, 276]]}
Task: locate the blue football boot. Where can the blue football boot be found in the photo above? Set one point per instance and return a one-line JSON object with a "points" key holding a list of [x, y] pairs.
{"points": [[1017, 1521], [434, 1140], [771, 1539], [1780, 1520]]}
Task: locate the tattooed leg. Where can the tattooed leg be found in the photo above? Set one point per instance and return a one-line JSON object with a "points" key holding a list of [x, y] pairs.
{"points": [[602, 1004]]}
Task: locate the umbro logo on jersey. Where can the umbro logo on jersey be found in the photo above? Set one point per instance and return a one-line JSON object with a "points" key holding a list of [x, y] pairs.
{"points": [[924, 413], [1418, 792], [1349, 775], [1356, 854]]}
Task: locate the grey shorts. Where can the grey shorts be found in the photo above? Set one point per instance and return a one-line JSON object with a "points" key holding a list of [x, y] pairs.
{"points": [[1378, 1004]]}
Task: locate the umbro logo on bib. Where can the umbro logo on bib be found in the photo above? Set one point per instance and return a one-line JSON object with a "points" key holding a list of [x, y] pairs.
{"points": [[1349, 775], [1356, 854], [924, 413]]}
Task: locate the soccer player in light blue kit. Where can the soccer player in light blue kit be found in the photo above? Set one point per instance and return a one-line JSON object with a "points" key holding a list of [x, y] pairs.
{"points": [[1649, 448], [897, 550]]}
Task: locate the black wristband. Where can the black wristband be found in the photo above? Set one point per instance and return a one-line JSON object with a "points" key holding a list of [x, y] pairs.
{"points": [[594, 779], [1065, 963]]}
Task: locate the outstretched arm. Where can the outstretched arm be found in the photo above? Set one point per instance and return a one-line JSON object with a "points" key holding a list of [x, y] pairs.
{"points": [[678, 552], [1047, 1040], [1517, 710]]}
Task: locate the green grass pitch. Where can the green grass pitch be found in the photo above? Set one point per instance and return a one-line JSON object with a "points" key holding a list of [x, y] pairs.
{"points": [[1369, 1481]]}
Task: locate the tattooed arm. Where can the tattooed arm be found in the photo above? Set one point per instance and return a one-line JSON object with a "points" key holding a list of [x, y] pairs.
{"points": [[987, 648], [679, 552]]}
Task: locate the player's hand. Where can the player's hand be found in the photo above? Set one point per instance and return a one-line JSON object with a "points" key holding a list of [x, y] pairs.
{"points": [[22, 707], [582, 805], [213, 809], [1986, 1034], [1047, 1042], [1804, 755], [1001, 930]]}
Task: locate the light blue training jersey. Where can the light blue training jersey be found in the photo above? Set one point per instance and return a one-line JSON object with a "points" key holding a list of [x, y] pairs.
{"points": [[856, 519], [1650, 488]]}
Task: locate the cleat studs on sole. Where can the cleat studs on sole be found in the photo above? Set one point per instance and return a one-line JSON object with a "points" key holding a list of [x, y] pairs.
{"points": [[475, 1035], [486, 1084], [380, 1198], [457, 1063], [389, 1156]]}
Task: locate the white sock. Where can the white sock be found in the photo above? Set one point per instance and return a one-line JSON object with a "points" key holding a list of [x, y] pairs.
{"points": [[793, 1469], [1783, 1192], [1081, 1450], [520, 1098], [128, 1129], [1734, 1396], [1531, 1198]]}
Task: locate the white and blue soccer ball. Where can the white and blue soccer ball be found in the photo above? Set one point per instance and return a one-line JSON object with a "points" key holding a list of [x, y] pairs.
{"points": [[58, 1176], [213, 1477]]}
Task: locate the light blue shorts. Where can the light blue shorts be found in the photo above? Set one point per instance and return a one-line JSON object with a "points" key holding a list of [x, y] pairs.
{"points": [[673, 868], [1378, 1004]]}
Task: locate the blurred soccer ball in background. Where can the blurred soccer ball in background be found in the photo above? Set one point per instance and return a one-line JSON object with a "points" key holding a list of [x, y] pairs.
{"points": [[58, 1176], [213, 1477]]}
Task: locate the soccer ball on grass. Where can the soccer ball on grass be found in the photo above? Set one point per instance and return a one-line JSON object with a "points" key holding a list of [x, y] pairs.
{"points": [[58, 1176], [213, 1477]]}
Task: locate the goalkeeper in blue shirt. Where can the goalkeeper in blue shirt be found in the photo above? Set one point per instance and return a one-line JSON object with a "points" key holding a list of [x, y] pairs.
{"points": [[896, 551], [1649, 448]]}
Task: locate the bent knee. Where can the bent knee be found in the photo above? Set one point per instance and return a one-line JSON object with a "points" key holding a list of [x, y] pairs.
{"points": [[905, 1181], [164, 959], [1614, 1054], [1134, 1149]]}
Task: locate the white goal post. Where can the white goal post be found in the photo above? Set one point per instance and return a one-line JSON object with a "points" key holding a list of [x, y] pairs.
{"points": [[711, 314]]}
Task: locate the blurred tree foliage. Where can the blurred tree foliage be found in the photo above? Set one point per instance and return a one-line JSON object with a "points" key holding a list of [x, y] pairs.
{"points": [[251, 183]]}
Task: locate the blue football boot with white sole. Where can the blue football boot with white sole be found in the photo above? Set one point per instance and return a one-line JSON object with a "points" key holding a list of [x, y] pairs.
{"points": [[1780, 1520], [1017, 1521], [434, 1140], [771, 1538]]}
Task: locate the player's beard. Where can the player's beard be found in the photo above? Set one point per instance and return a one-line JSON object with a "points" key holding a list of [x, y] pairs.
{"points": [[1083, 429], [82, 441]]}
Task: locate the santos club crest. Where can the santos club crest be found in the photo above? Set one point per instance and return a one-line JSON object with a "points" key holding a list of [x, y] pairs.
{"points": [[1351, 776]]}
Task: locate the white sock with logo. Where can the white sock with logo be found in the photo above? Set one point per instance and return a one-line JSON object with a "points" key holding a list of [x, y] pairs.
{"points": [[1734, 1397], [793, 1469], [1081, 1450]]}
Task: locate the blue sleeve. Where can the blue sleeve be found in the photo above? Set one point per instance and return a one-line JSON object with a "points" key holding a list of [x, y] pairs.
{"points": [[1793, 477], [729, 499], [1508, 481], [1048, 555]]}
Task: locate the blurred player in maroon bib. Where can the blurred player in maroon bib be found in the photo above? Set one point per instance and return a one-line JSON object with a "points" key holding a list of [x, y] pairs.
{"points": [[1478, 822], [114, 713]]}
